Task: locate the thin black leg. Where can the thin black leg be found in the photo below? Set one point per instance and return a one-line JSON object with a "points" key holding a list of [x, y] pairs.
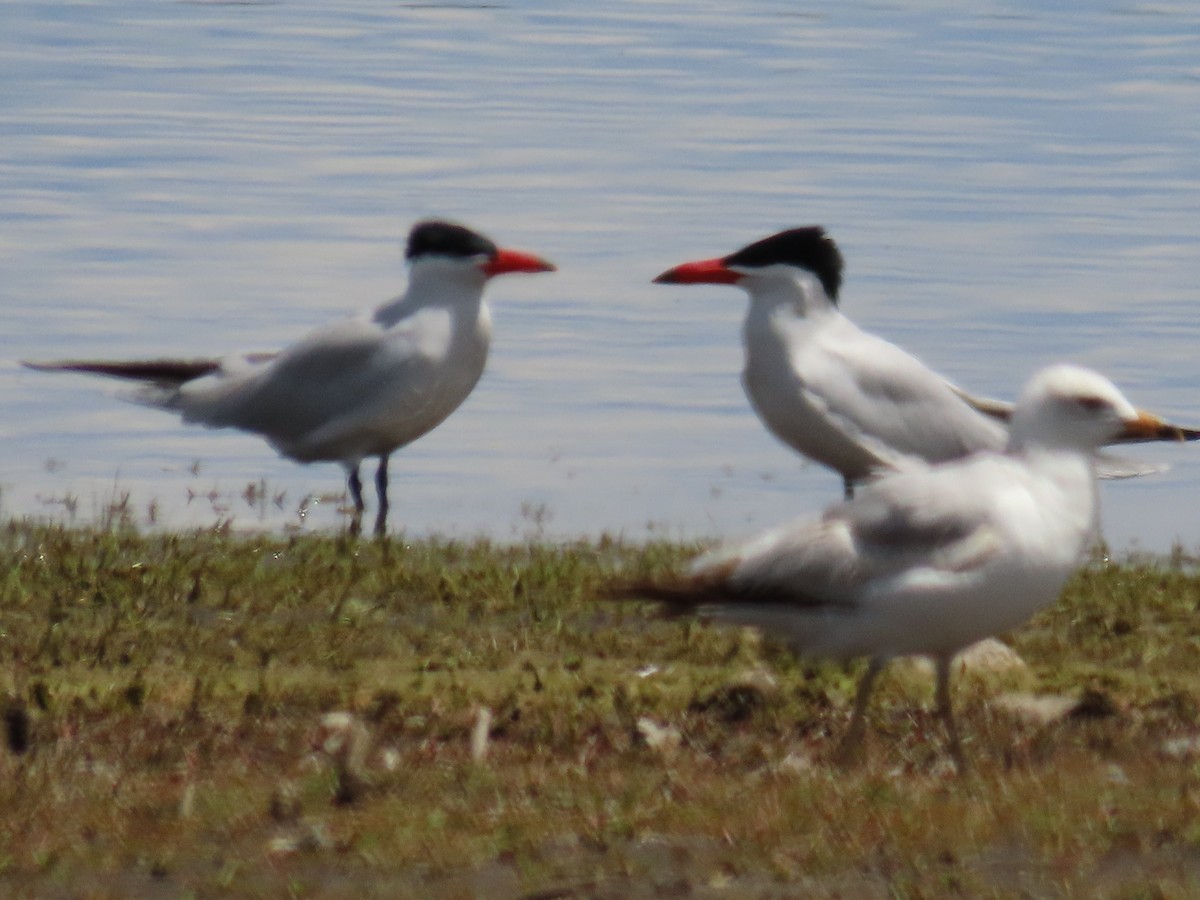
{"points": [[848, 488], [355, 485], [381, 488]]}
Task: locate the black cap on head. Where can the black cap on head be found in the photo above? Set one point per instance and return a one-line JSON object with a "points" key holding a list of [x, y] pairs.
{"points": [[807, 248], [436, 238]]}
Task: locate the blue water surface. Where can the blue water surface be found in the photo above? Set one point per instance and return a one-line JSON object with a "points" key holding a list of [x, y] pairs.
{"points": [[1011, 184]]}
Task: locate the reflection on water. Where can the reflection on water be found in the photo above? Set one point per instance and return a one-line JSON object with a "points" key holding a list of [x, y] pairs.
{"points": [[1009, 187]]}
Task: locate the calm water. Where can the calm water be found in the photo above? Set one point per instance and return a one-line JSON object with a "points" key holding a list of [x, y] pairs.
{"points": [[1009, 186]]}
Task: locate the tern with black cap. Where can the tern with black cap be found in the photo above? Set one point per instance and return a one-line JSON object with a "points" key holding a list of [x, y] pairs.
{"points": [[362, 387], [837, 394]]}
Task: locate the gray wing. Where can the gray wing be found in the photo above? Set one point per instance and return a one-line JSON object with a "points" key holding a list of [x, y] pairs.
{"points": [[892, 404], [1000, 410], [939, 519], [925, 519], [335, 372]]}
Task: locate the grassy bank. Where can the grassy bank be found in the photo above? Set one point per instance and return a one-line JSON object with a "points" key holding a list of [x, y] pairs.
{"points": [[167, 732]]}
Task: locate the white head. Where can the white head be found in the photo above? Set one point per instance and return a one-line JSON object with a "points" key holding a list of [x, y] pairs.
{"points": [[1072, 408]]}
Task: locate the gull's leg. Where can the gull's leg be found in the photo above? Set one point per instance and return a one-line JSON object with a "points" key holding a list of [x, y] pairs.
{"points": [[355, 485], [851, 745], [848, 488], [381, 488], [943, 664]]}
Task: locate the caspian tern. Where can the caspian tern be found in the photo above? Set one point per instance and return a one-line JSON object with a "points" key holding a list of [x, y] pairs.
{"points": [[361, 387], [932, 558], [839, 395]]}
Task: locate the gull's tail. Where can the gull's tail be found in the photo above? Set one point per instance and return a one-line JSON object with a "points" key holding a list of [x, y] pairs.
{"points": [[677, 599]]}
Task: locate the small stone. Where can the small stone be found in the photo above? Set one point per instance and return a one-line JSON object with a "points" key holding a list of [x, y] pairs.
{"points": [[389, 759], [1183, 748], [307, 839], [662, 738], [797, 764], [1041, 709], [989, 655], [986, 657]]}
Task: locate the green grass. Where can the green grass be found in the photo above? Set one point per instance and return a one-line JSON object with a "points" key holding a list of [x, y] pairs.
{"points": [[163, 697]]}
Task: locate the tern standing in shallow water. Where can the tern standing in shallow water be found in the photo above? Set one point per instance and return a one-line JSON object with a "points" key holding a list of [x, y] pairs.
{"points": [[839, 395], [931, 559], [361, 387]]}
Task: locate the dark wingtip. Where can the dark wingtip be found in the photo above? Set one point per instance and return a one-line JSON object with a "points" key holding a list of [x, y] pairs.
{"points": [[675, 599]]}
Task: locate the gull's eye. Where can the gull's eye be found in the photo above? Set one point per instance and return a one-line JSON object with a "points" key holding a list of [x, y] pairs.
{"points": [[1091, 404]]}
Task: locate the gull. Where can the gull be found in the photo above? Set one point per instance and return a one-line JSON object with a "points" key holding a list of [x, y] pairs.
{"points": [[361, 387], [928, 560], [841, 396]]}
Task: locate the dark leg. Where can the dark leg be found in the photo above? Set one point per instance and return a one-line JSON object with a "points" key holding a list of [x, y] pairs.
{"points": [[849, 749], [848, 488], [946, 713], [381, 488], [355, 485]]}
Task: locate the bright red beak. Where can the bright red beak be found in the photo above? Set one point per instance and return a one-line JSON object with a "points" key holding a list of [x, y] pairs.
{"points": [[704, 271], [506, 261]]}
